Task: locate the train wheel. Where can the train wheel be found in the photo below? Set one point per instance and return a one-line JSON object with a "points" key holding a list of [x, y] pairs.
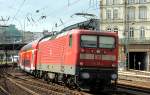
{"points": [[39, 74], [70, 83], [36, 74], [56, 78], [45, 76], [51, 77]]}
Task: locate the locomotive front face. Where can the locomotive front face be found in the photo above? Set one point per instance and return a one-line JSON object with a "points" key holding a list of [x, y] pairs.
{"points": [[97, 58], [98, 51]]}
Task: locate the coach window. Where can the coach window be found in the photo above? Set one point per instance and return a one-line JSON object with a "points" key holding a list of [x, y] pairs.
{"points": [[70, 41]]}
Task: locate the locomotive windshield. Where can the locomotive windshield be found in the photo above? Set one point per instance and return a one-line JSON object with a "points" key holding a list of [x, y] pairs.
{"points": [[88, 41], [97, 41], [106, 42]]}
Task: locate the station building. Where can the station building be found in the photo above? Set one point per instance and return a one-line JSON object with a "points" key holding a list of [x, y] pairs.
{"points": [[131, 20]]}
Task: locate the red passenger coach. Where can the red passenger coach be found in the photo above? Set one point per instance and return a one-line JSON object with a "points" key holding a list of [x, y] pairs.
{"points": [[79, 58], [27, 54]]}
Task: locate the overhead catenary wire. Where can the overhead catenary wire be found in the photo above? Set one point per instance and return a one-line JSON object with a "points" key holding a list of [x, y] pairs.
{"points": [[63, 24], [43, 17], [4, 20], [63, 8], [92, 3], [21, 5], [36, 20]]}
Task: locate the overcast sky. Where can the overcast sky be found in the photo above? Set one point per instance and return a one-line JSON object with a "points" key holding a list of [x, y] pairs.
{"points": [[39, 15]]}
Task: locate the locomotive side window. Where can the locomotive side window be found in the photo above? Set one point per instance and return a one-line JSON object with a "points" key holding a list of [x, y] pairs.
{"points": [[106, 42], [70, 41], [88, 41]]}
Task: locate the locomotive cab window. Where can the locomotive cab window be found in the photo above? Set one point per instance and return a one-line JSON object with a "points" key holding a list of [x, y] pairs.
{"points": [[88, 41], [106, 42], [70, 40], [92, 41]]}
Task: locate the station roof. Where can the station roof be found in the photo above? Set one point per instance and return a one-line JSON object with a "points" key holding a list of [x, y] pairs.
{"points": [[17, 46]]}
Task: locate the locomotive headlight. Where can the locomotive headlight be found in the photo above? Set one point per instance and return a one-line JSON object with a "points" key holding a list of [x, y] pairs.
{"points": [[98, 51], [114, 76], [81, 63], [114, 65], [85, 75]]}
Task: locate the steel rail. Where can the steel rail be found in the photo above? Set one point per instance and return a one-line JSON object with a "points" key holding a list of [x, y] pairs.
{"points": [[22, 87], [133, 89], [4, 91], [42, 89]]}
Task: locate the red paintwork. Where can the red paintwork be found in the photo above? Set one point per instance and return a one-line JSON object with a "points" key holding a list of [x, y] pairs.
{"points": [[29, 54], [97, 62], [57, 51]]}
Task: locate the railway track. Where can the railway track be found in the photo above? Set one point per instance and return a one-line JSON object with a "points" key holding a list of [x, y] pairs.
{"points": [[130, 90], [3, 91], [13, 81], [6, 86], [135, 82], [29, 85], [38, 87], [135, 75]]}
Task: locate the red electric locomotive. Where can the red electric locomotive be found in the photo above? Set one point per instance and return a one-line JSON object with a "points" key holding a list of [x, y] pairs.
{"points": [[79, 58]]}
